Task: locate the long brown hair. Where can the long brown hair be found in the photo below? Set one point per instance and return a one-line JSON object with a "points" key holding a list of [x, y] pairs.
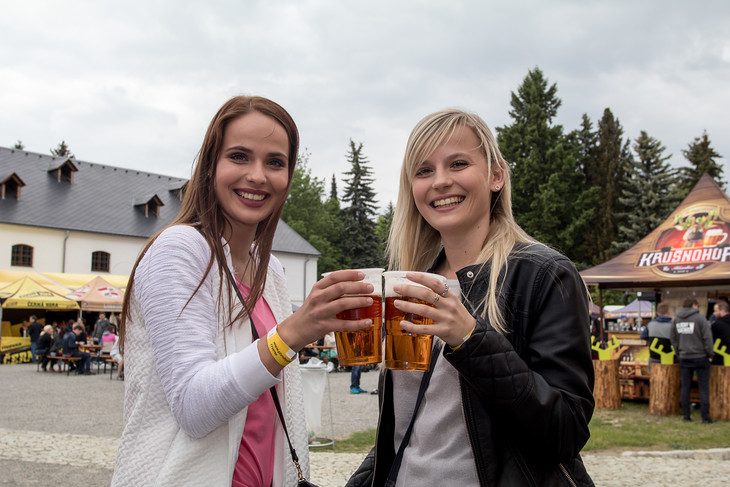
{"points": [[201, 209]]}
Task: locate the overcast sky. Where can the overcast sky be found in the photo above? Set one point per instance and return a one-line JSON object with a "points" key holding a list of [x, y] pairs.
{"points": [[135, 83]]}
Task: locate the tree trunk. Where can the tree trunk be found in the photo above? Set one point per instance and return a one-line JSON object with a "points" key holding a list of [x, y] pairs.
{"points": [[606, 390], [720, 392], [664, 389]]}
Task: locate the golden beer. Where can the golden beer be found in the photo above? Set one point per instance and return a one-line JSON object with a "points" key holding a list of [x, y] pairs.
{"points": [[363, 346], [404, 350]]}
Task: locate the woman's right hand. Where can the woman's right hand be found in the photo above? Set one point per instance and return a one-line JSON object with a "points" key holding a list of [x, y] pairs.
{"points": [[318, 314]]}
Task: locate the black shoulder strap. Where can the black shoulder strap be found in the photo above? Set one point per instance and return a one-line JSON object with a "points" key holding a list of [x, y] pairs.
{"points": [[272, 390], [407, 437]]}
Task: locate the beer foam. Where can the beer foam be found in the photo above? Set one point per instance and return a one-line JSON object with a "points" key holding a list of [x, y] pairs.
{"points": [[399, 277]]}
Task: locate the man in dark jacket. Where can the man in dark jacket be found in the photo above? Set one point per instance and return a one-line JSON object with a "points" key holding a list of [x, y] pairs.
{"points": [[34, 332], [692, 340], [661, 329], [101, 325], [721, 329], [70, 347]]}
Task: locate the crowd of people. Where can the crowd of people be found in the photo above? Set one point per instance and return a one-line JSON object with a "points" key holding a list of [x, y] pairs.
{"points": [[68, 338]]}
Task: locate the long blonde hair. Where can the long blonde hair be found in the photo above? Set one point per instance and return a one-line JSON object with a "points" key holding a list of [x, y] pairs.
{"points": [[413, 244]]}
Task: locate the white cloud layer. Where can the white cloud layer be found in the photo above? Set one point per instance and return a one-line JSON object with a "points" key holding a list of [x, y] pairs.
{"points": [[134, 84]]}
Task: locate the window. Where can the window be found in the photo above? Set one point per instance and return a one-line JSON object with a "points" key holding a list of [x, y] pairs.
{"points": [[100, 261], [10, 187], [22, 255]]}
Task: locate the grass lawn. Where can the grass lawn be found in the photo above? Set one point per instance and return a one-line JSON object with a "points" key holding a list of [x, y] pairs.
{"points": [[628, 428]]}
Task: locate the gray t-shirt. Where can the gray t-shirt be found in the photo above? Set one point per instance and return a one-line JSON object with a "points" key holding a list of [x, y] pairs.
{"points": [[439, 446]]}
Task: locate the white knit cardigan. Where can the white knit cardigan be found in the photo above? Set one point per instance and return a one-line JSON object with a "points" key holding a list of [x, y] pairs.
{"points": [[189, 378]]}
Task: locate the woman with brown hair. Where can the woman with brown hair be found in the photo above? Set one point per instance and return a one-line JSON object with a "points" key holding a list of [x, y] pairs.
{"points": [[196, 410]]}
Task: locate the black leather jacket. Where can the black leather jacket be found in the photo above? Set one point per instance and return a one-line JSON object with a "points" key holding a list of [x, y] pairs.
{"points": [[527, 397]]}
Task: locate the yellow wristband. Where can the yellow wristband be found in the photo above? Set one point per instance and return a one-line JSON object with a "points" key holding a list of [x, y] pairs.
{"points": [[465, 339], [279, 350]]}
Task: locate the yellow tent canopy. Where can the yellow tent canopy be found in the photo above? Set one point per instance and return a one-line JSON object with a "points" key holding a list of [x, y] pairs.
{"points": [[98, 295], [76, 281], [26, 293], [8, 277]]}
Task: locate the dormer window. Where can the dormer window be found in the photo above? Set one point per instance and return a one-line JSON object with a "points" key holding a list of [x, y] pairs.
{"points": [[150, 205], [63, 170], [178, 189], [10, 186]]}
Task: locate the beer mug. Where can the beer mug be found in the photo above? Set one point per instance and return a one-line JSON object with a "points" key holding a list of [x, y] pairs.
{"points": [[404, 350], [363, 347]]}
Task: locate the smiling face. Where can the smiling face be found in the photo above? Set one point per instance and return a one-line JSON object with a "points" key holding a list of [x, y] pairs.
{"points": [[452, 187], [251, 175]]}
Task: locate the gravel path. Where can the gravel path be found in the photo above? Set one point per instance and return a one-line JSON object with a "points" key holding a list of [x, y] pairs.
{"points": [[62, 431]]}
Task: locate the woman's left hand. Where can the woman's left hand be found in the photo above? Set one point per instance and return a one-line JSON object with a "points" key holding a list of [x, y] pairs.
{"points": [[452, 322]]}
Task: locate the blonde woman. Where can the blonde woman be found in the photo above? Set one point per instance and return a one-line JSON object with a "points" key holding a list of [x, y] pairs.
{"points": [[510, 399]]}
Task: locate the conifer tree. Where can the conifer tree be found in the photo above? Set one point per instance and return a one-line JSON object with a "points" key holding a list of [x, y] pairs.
{"points": [[62, 150], [359, 242], [19, 145], [645, 198], [546, 183], [702, 159], [607, 170]]}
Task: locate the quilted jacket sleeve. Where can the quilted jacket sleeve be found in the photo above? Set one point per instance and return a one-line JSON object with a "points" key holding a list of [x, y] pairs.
{"points": [[535, 382]]}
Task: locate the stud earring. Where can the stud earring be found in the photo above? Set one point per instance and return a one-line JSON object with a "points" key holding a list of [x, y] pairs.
{"points": [[497, 187]]}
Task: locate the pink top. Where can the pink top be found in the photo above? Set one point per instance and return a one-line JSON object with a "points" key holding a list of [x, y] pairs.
{"points": [[255, 465], [110, 337]]}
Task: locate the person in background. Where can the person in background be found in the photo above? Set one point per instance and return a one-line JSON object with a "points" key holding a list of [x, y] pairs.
{"points": [[70, 347], [661, 329], [101, 325], [691, 338], [721, 329], [45, 343], [81, 337], [355, 373], [116, 355], [192, 367], [510, 399], [34, 332]]}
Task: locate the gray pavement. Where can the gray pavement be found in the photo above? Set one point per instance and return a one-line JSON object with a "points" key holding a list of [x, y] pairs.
{"points": [[63, 431]]}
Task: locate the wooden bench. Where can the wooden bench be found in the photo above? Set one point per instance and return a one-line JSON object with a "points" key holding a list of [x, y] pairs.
{"points": [[66, 359]]}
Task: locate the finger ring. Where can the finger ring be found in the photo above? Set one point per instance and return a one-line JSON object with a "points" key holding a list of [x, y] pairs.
{"points": [[445, 291], [435, 299]]}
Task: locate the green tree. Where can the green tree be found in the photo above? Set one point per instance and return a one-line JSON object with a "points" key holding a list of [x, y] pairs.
{"points": [[19, 145], [382, 230], [645, 198], [359, 241], [607, 170], [307, 214], [703, 159], [62, 150], [546, 184]]}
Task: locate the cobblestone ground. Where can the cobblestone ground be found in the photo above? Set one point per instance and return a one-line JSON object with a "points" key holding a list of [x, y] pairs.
{"points": [[62, 431]]}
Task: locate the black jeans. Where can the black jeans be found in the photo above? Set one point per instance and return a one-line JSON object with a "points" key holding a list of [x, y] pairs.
{"points": [[702, 366]]}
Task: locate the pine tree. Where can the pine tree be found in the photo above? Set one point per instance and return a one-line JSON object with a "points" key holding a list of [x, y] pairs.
{"points": [[19, 145], [62, 150], [645, 199], [702, 159], [607, 170], [359, 241], [546, 183]]}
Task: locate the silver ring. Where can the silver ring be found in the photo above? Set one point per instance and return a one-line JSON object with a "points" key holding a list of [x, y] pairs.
{"points": [[445, 291], [435, 299]]}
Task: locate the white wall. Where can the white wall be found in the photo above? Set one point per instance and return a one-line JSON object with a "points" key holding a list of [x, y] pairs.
{"points": [[301, 274], [48, 251]]}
